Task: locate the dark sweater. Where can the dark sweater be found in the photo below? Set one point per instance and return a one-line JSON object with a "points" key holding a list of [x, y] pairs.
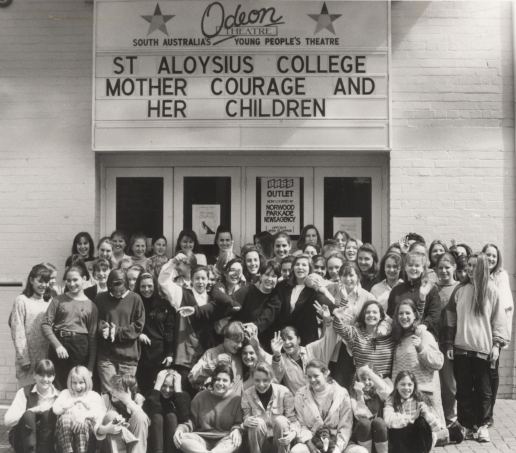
{"points": [[368, 281], [215, 416], [304, 315], [128, 315], [159, 327], [410, 290], [178, 404]]}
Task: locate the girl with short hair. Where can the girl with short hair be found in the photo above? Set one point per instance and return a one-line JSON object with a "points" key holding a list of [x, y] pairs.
{"points": [[120, 241]]}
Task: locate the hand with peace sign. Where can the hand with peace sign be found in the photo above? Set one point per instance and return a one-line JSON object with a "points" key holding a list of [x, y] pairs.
{"points": [[277, 344]]}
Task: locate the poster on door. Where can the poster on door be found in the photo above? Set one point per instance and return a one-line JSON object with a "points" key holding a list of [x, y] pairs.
{"points": [[351, 225], [280, 209], [205, 220]]}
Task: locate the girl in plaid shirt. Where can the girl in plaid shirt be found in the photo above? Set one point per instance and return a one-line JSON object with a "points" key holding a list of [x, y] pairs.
{"points": [[80, 413]]}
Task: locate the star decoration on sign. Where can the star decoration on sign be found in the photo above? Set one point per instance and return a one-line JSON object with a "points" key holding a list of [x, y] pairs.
{"points": [[324, 20], [157, 21]]}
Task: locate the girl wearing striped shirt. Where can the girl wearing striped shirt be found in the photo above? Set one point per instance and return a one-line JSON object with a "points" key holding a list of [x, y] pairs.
{"points": [[362, 337]]}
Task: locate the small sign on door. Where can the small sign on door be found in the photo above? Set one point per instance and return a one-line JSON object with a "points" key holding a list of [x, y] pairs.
{"points": [[205, 221], [351, 225]]}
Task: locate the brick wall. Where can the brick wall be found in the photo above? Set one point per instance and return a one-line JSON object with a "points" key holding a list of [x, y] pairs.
{"points": [[452, 164], [47, 182]]}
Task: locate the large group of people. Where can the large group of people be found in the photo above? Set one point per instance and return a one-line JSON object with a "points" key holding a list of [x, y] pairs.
{"points": [[323, 348]]}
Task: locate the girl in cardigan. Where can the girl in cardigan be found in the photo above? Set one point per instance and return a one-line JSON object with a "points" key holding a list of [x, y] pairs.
{"points": [[215, 417], [166, 405], [322, 402], [29, 309], [368, 397], [476, 330], [417, 351], [157, 338], [498, 275], [80, 413], [410, 417], [70, 325], [30, 415]]}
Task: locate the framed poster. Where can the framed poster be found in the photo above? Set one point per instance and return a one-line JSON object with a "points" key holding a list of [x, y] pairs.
{"points": [[281, 205], [205, 220]]}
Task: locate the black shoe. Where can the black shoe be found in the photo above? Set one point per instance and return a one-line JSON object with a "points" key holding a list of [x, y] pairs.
{"points": [[456, 432]]}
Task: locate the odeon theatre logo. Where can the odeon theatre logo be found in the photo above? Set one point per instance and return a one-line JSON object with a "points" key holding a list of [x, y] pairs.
{"points": [[244, 24]]}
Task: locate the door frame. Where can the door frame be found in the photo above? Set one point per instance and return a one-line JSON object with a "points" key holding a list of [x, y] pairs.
{"points": [[378, 209], [235, 173], [109, 215]]}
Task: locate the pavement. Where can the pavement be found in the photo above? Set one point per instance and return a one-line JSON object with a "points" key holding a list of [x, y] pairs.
{"points": [[503, 434]]}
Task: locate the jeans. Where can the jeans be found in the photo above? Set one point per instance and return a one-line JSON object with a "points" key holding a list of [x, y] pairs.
{"points": [[34, 433], [108, 369], [473, 376], [77, 348], [138, 425], [258, 439], [414, 438], [161, 433], [193, 443]]}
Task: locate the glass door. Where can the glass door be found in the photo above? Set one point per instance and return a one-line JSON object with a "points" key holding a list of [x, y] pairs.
{"points": [[350, 198], [139, 200], [206, 197]]}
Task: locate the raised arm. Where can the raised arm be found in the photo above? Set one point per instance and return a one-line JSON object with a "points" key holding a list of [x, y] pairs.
{"points": [[173, 292]]}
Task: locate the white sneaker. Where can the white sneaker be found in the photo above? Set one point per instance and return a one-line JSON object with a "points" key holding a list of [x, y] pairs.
{"points": [[483, 434]]}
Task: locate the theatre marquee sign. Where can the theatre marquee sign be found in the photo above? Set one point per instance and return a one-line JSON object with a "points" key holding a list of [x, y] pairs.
{"points": [[240, 75]]}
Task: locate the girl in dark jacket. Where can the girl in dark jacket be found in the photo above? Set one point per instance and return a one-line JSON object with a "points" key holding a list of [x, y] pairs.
{"points": [[157, 338]]}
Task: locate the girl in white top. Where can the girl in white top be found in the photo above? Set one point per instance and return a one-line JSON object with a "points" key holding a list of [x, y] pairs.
{"points": [[80, 412], [187, 242], [389, 276]]}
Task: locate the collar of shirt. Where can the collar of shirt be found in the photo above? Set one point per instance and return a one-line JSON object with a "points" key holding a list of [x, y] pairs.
{"points": [[201, 299], [123, 295], [54, 393]]}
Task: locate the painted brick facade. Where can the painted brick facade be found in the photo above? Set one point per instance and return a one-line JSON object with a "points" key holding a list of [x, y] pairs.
{"points": [[452, 159], [452, 163]]}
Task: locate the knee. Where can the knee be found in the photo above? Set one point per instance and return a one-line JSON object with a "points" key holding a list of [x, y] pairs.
{"points": [[28, 417], [363, 428], [378, 425], [157, 419], [282, 422], [140, 418], [260, 428], [171, 420]]}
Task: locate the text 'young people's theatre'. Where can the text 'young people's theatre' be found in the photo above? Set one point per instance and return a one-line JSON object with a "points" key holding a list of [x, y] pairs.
{"points": [[376, 117]]}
